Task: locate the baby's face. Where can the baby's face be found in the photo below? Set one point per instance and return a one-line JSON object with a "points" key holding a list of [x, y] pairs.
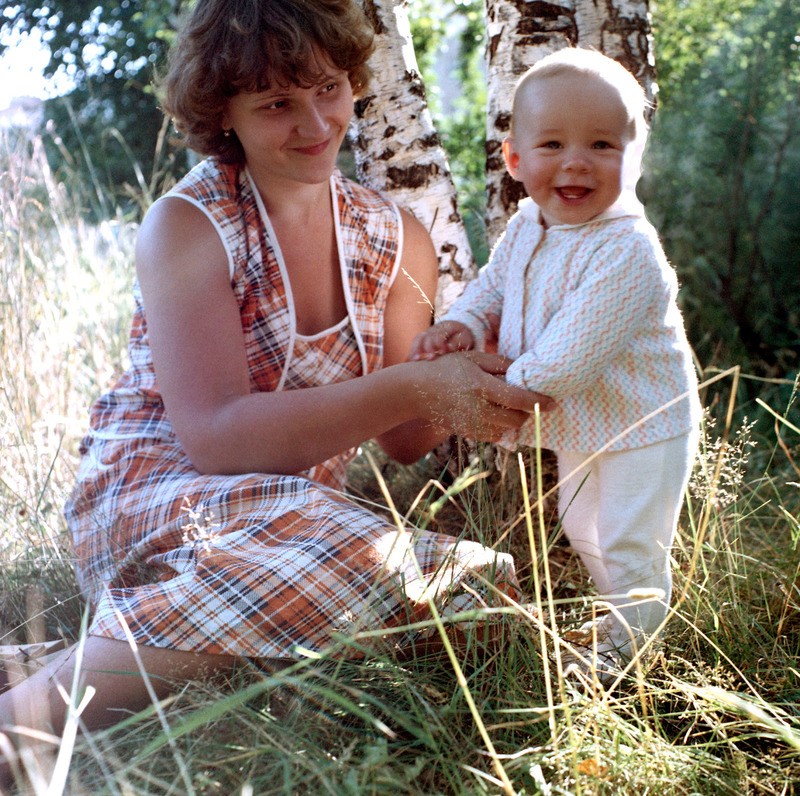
{"points": [[570, 134]]}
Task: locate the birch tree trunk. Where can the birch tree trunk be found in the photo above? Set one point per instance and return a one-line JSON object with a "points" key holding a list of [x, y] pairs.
{"points": [[397, 149], [519, 33]]}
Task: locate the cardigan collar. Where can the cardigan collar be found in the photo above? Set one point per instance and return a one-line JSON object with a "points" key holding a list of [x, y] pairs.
{"points": [[620, 209]]}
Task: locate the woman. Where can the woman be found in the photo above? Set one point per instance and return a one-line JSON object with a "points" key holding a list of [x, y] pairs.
{"points": [[276, 302]]}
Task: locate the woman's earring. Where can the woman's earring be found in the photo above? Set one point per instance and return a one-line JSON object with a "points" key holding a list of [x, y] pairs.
{"points": [[226, 133]]}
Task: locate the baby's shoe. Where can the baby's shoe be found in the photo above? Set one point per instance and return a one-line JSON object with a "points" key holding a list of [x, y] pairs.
{"points": [[587, 659]]}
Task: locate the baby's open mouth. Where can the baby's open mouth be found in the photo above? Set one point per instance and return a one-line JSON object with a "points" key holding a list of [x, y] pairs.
{"points": [[572, 192]]}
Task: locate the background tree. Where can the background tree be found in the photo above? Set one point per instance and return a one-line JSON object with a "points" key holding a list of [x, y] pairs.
{"points": [[398, 150], [449, 41], [723, 170]]}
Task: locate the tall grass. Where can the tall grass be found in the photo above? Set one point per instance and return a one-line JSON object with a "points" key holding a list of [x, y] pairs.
{"points": [[713, 710], [63, 302]]}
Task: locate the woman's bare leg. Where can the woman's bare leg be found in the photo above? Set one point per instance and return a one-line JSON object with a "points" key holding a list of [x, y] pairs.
{"points": [[111, 668]]}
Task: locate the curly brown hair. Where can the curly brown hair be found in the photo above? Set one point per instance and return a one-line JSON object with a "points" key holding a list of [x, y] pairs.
{"points": [[228, 46]]}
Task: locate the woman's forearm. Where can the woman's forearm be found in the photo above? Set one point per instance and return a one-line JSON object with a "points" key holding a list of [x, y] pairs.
{"points": [[287, 432], [411, 405]]}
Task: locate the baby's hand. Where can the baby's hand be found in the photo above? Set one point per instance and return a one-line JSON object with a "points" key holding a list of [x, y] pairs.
{"points": [[442, 338]]}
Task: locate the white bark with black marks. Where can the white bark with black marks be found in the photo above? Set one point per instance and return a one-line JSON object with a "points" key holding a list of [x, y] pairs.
{"points": [[397, 149]]}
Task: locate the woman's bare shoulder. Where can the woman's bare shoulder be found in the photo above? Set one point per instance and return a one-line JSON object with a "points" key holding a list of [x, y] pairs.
{"points": [[176, 231]]}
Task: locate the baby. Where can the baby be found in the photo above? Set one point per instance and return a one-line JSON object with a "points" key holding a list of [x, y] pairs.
{"points": [[588, 314]]}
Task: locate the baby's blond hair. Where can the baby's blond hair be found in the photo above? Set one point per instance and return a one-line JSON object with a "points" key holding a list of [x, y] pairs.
{"points": [[591, 63]]}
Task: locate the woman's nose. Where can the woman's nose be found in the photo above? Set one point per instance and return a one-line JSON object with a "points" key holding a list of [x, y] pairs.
{"points": [[312, 122]]}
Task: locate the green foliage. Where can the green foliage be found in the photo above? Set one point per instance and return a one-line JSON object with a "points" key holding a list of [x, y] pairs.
{"points": [[86, 38], [112, 136], [722, 175], [690, 32], [109, 126]]}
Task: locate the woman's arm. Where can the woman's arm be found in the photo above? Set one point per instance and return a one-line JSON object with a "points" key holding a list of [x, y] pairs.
{"points": [[409, 311], [199, 356]]}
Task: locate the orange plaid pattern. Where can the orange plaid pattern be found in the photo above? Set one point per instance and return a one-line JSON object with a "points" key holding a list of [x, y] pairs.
{"points": [[258, 565]]}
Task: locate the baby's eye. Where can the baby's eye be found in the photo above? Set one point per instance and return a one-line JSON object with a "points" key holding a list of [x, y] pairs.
{"points": [[550, 145], [602, 145]]}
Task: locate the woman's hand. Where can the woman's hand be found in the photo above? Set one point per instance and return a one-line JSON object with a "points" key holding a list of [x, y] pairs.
{"points": [[466, 394]]}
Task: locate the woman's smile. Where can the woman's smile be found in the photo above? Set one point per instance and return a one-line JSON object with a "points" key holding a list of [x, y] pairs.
{"points": [[313, 149]]}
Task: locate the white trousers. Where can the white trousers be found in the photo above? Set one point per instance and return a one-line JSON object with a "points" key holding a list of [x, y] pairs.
{"points": [[619, 511]]}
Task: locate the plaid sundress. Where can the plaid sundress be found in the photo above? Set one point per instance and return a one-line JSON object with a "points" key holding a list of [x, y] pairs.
{"points": [[259, 565]]}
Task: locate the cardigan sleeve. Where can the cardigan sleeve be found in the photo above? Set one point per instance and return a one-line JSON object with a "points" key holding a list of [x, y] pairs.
{"points": [[484, 295], [624, 291]]}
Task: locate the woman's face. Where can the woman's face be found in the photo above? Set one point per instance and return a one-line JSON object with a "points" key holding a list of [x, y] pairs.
{"points": [[290, 132]]}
